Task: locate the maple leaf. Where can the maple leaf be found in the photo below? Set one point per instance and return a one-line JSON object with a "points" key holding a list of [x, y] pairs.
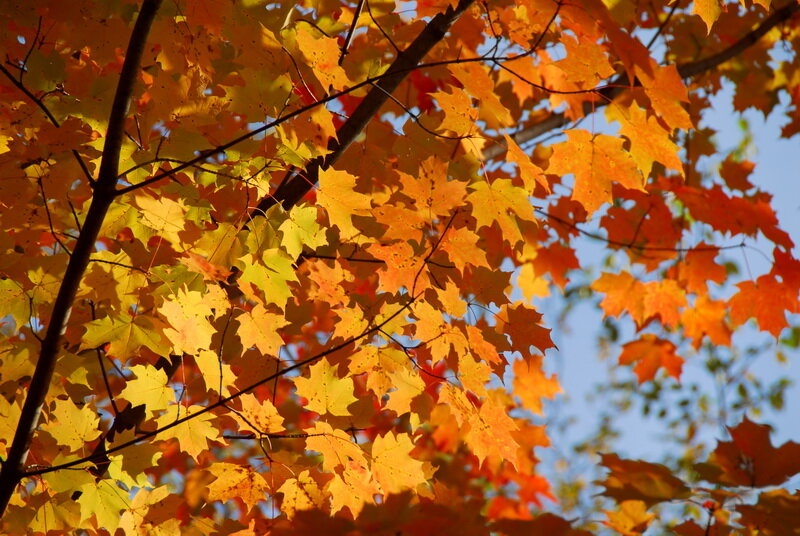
{"points": [[649, 141], [353, 489], [500, 201], [260, 328], [531, 384], [774, 514], [477, 82], [489, 428], [766, 300], [473, 373], [301, 493], [666, 90], [459, 115], [337, 448], [631, 519], [650, 354], [151, 510], [388, 372], [749, 459], [663, 299], [394, 468], [259, 417], [201, 215], [698, 268], [301, 230], [268, 277], [237, 482], [441, 337], [192, 435], [325, 391], [523, 324], [531, 173], [403, 268], [623, 293], [707, 318], [491, 434], [162, 215], [217, 375], [337, 195], [461, 246], [736, 172], [126, 335], [13, 301], [640, 481], [55, 517], [430, 190], [150, 388], [128, 466], [322, 54], [708, 10], [187, 314], [71, 425], [595, 160], [104, 501]]}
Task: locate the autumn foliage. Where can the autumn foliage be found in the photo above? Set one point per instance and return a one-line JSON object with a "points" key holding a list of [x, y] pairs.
{"points": [[271, 268]]}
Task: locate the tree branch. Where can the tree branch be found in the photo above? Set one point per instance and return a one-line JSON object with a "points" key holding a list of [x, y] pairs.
{"points": [[296, 185], [406, 62], [99, 456], [617, 86], [11, 472], [38, 102]]}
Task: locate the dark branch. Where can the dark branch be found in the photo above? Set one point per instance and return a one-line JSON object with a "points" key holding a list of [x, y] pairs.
{"points": [[297, 185], [617, 86], [11, 472]]}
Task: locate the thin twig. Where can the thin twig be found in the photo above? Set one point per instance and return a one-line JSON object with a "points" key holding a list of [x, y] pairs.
{"points": [[351, 31]]}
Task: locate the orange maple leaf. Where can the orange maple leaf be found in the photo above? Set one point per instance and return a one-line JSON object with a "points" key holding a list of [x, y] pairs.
{"points": [[650, 354], [596, 161], [749, 459]]}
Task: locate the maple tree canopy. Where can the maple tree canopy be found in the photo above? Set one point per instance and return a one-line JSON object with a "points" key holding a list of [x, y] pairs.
{"points": [[272, 267]]}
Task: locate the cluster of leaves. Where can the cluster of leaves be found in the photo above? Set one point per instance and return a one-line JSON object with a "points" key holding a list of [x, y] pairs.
{"points": [[270, 267]]}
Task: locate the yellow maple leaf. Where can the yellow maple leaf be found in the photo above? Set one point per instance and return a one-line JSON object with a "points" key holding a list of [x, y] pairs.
{"points": [[596, 160], [301, 230], [531, 384], [337, 195], [325, 391], [187, 314], [459, 115], [353, 488], [104, 501], [337, 448], [258, 417], [217, 376], [150, 388], [502, 202], [193, 434], [163, 215], [260, 328], [301, 493], [237, 482], [125, 335], [394, 468], [431, 191], [72, 426], [322, 54], [649, 141], [708, 10]]}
